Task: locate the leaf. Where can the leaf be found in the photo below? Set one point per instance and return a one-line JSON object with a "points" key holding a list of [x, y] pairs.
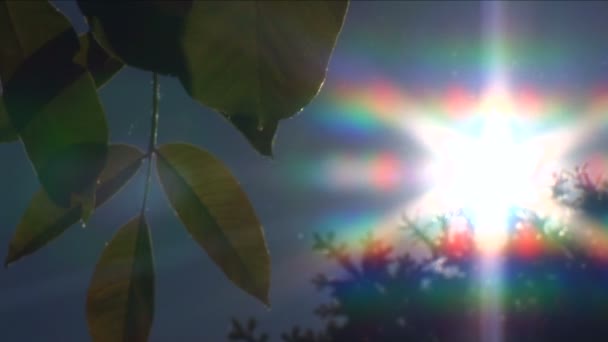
{"points": [[120, 300], [259, 61], [92, 56], [51, 101], [142, 34], [86, 200], [218, 215], [100, 63], [7, 132], [256, 62], [262, 140], [44, 220]]}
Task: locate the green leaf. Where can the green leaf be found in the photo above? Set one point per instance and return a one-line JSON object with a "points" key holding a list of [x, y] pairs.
{"points": [[262, 140], [218, 215], [7, 132], [256, 62], [86, 199], [259, 61], [44, 220], [92, 56], [120, 300], [98, 61], [51, 100]]}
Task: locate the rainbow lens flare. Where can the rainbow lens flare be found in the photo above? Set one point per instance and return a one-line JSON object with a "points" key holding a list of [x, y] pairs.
{"points": [[483, 149]]}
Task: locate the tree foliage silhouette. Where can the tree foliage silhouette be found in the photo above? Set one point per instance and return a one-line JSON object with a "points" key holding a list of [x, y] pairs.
{"points": [[553, 282], [254, 62]]}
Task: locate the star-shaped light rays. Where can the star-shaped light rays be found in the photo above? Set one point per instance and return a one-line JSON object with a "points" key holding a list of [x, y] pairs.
{"points": [[493, 158], [407, 146]]}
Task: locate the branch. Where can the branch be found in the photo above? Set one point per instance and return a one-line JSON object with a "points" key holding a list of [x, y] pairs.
{"points": [[153, 137]]}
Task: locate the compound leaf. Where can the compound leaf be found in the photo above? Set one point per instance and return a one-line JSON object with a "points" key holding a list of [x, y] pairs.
{"points": [[256, 62]]}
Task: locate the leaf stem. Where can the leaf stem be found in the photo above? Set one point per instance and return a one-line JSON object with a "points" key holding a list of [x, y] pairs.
{"points": [[153, 138]]}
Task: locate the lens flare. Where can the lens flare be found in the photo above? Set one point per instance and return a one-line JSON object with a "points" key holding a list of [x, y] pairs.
{"points": [[487, 171], [487, 131], [493, 176]]}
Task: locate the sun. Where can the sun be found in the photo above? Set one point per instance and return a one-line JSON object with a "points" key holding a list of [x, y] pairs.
{"points": [[487, 172], [490, 172], [496, 173]]}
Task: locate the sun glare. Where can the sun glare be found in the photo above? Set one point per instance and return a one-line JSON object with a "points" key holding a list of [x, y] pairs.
{"points": [[492, 177], [486, 173]]}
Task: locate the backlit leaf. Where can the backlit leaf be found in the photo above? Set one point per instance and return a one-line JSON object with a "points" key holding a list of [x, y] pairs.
{"points": [[218, 215], [44, 220], [120, 300], [256, 62], [51, 100], [100, 63], [92, 56]]}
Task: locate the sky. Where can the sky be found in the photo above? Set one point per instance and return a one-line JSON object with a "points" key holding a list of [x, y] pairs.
{"points": [[348, 163]]}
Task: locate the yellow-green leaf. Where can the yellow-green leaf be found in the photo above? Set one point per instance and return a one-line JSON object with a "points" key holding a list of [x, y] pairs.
{"points": [[51, 100], [256, 62], [43, 220], [218, 215], [120, 299]]}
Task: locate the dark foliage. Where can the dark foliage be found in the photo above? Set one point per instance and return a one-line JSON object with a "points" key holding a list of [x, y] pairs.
{"points": [[553, 286]]}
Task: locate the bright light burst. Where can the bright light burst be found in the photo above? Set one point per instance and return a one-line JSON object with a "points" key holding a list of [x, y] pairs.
{"points": [[488, 173], [492, 168], [463, 148], [485, 151]]}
